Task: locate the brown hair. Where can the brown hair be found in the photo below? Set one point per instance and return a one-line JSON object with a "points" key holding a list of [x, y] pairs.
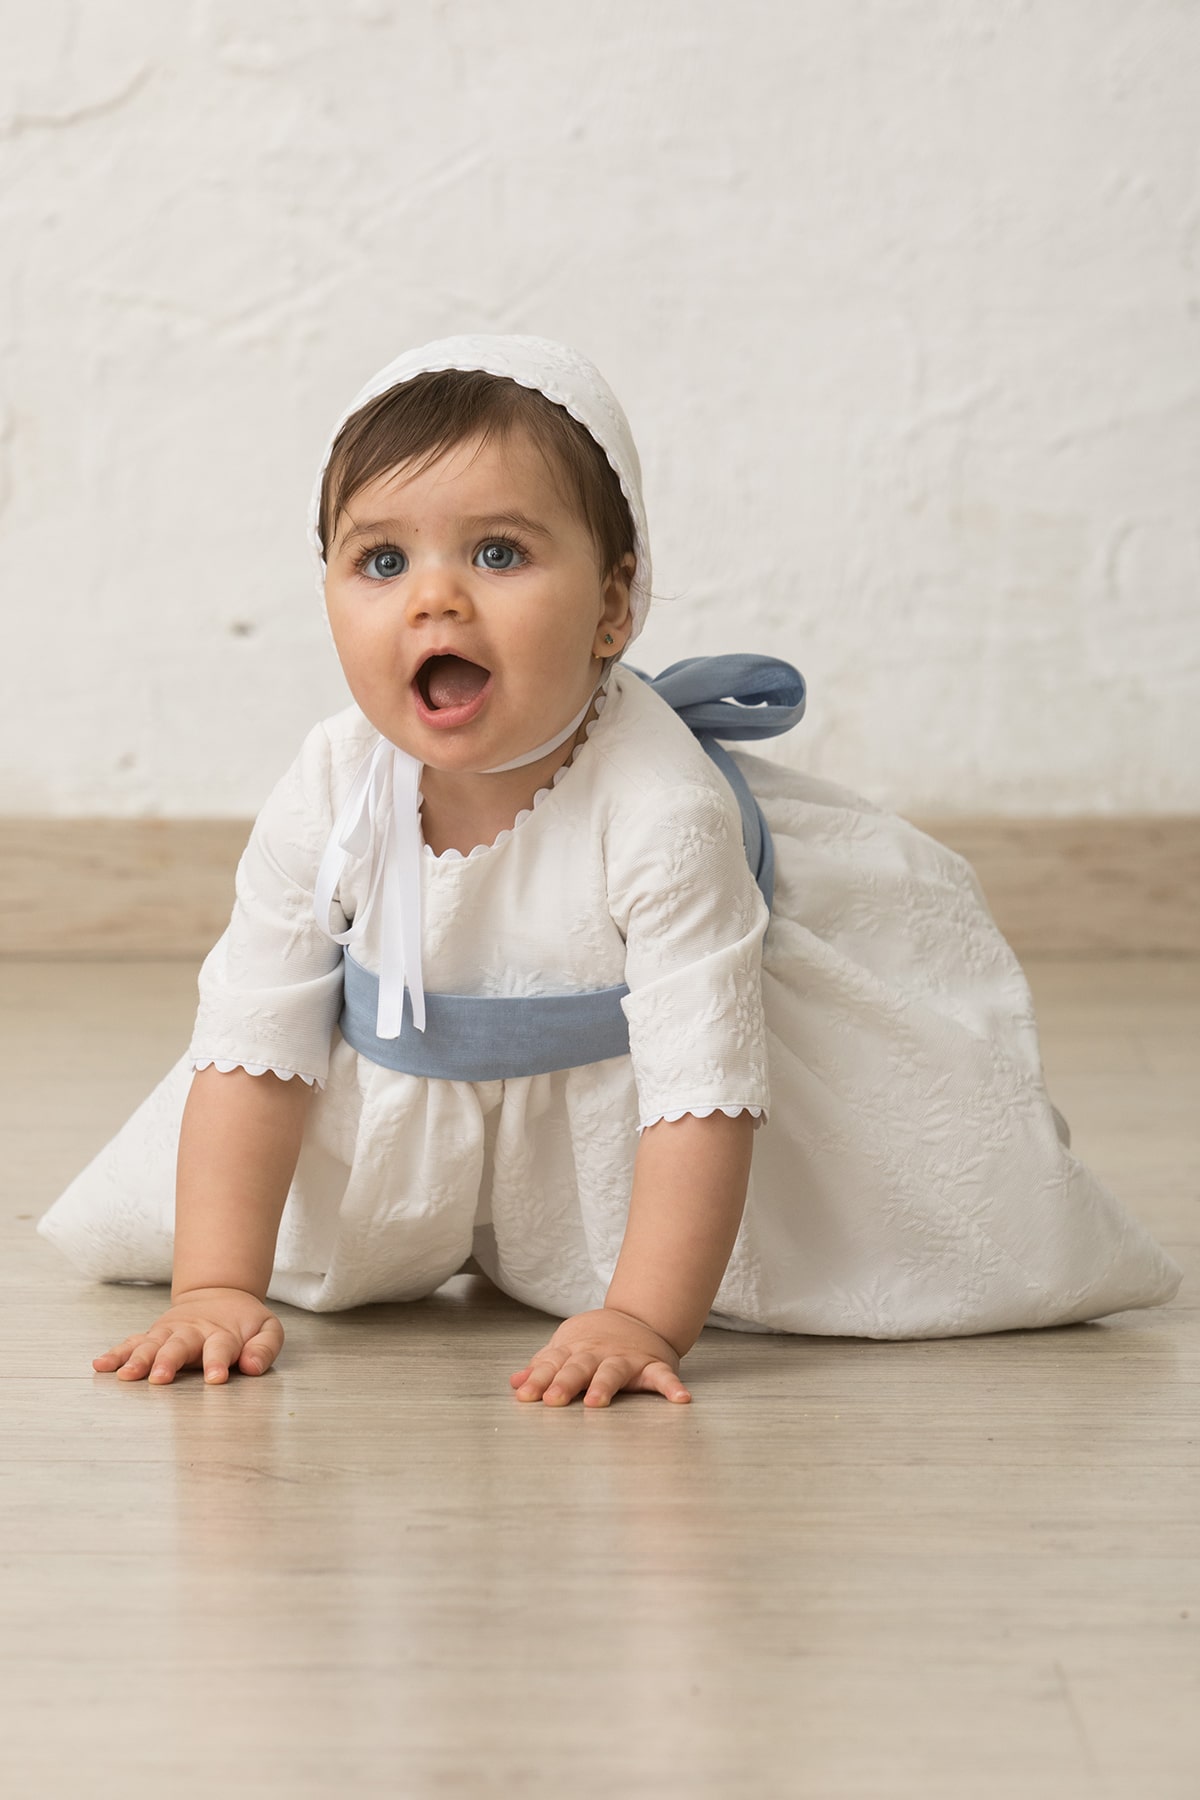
{"points": [[421, 419]]}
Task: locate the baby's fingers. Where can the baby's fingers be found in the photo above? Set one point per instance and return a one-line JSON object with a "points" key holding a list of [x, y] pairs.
{"points": [[572, 1378], [138, 1358], [618, 1372], [660, 1377], [120, 1353], [543, 1370], [262, 1349], [183, 1346]]}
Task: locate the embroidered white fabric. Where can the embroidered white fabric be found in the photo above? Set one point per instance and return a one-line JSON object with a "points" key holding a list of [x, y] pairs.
{"points": [[910, 1181]]}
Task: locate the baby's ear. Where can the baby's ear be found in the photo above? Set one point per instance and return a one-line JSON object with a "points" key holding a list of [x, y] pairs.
{"points": [[621, 574], [617, 610]]}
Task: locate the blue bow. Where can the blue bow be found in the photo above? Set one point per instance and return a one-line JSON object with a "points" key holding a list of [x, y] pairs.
{"points": [[736, 697]]}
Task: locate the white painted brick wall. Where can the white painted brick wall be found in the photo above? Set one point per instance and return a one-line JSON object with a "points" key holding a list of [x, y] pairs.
{"points": [[902, 298]]}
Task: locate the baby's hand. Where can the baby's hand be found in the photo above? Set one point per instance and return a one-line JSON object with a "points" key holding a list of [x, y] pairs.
{"points": [[611, 1350], [219, 1327]]}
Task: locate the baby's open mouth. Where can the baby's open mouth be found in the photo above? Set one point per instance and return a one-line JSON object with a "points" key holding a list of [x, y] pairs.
{"points": [[450, 681]]}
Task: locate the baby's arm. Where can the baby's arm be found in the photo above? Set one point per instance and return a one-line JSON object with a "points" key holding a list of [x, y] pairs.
{"points": [[681, 894], [689, 1193], [238, 1147], [269, 991]]}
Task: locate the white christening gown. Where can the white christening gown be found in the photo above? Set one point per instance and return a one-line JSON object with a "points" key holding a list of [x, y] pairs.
{"points": [[908, 1178]]}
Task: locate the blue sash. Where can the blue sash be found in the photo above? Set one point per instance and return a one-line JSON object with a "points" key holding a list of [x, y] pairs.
{"points": [[486, 1037], [471, 1037]]}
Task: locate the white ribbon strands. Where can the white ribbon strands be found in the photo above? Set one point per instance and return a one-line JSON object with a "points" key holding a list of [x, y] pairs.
{"points": [[380, 825], [380, 821], [518, 762]]}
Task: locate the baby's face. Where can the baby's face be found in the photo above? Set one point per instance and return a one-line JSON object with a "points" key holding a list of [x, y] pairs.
{"points": [[466, 605]]}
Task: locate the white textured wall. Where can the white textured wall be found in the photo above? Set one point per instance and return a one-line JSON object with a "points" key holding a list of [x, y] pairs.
{"points": [[902, 298]]}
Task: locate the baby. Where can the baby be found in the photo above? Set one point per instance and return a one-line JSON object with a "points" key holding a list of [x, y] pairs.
{"points": [[521, 956]]}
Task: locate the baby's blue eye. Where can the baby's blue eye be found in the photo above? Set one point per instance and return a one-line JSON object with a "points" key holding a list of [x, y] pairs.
{"points": [[499, 555], [391, 562]]}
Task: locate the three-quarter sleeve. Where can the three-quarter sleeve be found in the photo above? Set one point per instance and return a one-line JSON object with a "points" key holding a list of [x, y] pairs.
{"points": [[271, 987], [682, 895]]}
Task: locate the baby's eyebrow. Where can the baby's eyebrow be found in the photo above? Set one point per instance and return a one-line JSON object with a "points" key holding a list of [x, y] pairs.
{"points": [[519, 520], [482, 522]]}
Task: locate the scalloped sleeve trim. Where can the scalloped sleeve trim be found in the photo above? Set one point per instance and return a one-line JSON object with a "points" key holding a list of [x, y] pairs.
{"points": [[223, 1067], [757, 1113]]}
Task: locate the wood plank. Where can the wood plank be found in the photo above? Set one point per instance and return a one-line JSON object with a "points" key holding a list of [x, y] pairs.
{"points": [[125, 888], [129, 888], [1082, 887]]}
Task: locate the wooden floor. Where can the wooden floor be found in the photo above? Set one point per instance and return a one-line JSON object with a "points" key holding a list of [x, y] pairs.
{"points": [[967, 1568]]}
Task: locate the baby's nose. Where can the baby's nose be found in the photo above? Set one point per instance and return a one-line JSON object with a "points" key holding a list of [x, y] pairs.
{"points": [[437, 593]]}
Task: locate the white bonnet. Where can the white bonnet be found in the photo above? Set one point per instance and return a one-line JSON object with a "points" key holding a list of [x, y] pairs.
{"points": [[565, 377]]}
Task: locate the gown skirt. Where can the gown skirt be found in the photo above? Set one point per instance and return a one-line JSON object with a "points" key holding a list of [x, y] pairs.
{"points": [[910, 1179]]}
